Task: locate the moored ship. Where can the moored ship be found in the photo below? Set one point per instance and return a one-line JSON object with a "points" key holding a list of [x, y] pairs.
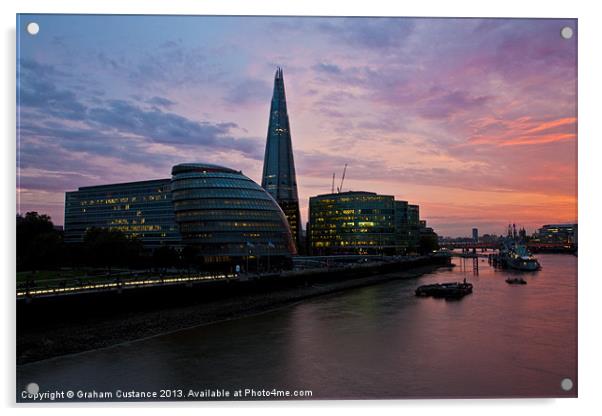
{"points": [[516, 256], [445, 290]]}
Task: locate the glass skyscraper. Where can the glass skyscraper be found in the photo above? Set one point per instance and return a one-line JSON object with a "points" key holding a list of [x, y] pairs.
{"points": [[279, 177]]}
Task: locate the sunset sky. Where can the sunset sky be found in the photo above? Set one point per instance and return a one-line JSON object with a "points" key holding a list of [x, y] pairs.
{"points": [[475, 120]]}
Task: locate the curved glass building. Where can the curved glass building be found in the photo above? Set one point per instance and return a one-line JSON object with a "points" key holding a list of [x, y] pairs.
{"points": [[229, 217]]}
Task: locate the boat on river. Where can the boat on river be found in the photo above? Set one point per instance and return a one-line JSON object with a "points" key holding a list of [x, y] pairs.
{"points": [[516, 281], [515, 255], [453, 290]]}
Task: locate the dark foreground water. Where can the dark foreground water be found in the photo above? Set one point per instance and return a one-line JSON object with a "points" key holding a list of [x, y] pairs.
{"points": [[375, 342]]}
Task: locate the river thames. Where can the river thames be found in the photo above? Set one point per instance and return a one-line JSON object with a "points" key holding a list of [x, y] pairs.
{"points": [[377, 342]]}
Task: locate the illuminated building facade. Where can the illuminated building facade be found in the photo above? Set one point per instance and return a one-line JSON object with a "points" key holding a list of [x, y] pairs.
{"points": [[279, 177], [138, 209], [351, 223], [558, 234], [363, 223], [228, 216], [224, 214]]}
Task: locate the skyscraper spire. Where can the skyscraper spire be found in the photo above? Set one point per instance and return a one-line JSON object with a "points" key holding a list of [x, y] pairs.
{"points": [[279, 177]]}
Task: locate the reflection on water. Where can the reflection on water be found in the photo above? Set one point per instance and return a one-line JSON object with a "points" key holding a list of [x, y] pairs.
{"points": [[375, 342]]}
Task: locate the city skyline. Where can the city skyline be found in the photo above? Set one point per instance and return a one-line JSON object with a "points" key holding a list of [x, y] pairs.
{"points": [[473, 119]]}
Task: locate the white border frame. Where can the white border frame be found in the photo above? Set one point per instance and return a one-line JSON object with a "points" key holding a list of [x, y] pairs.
{"points": [[590, 71]]}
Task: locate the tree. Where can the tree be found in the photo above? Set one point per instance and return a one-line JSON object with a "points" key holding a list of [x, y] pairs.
{"points": [[45, 251], [429, 242], [164, 257], [190, 256], [107, 248], [39, 244]]}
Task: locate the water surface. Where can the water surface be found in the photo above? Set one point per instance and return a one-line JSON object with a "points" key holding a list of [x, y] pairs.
{"points": [[375, 342]]}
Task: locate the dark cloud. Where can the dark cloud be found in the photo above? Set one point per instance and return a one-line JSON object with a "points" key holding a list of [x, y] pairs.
{"points": [[114, 118], [375, 33], [168, 128], [37, 90], [327, 68], [64, 143], [172, 64], [48, 181], [161, 102], [357, 76], [42, 139], [160, 66], [107, 62], [38, 69], [443, 104]]}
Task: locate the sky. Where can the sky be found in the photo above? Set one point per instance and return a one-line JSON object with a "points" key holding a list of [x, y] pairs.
{"points": [[475, 120]]}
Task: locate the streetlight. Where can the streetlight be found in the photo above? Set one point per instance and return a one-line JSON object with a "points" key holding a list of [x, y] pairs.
{"points": [[249, 246], [270, 245]]}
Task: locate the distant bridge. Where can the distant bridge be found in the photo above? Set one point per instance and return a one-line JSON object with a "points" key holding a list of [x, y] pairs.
{"points": [[531, 245], [470, 245], [470, 254]]}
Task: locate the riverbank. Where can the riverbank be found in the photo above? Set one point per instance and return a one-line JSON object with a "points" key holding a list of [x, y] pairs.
{"points": [[60, 337]]}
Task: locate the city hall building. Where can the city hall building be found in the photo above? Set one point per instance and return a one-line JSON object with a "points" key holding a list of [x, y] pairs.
{"points": [[362, 223], [223, 213], [228, 216]]}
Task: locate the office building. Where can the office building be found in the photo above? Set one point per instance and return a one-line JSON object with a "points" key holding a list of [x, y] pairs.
{"points": [[218, 210], [413, 227], [139, 209], [362, 223], [558, 234]]}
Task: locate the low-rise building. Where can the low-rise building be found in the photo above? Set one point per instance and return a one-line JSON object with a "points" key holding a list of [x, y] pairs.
{"points": [[557, 234]]}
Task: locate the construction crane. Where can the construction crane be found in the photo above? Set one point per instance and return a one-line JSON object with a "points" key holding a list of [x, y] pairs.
{"points": [[340, 188], [332, 188]]}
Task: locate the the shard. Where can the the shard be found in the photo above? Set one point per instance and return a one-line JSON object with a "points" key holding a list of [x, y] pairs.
{"points": [[279, 177]]}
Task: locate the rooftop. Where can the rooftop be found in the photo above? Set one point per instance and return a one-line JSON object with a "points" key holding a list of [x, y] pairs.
{"points": [[347, 193], [201, 167], [124, 184]]}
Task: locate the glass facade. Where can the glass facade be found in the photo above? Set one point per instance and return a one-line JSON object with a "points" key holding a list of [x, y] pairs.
{"points": [[227, 215], [279, 177], [414, 227], [402, 225], [362, 223], [351, 223], [138, 209]]}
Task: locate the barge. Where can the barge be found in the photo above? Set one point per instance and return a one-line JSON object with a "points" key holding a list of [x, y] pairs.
{"points": [[453, 290]]}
